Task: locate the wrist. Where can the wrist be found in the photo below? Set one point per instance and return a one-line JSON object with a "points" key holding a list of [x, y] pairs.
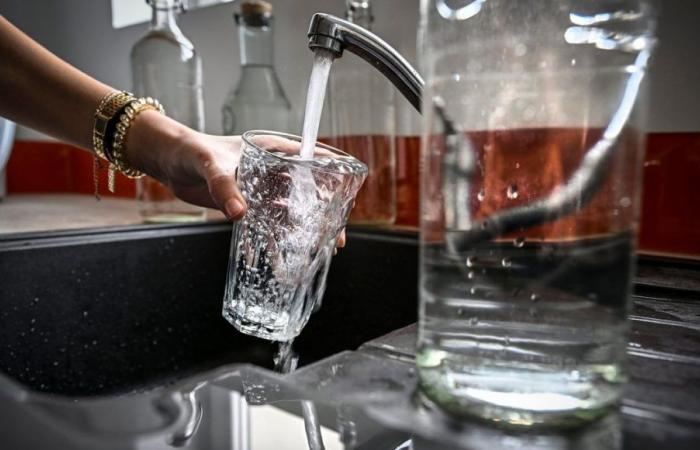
{"points": [[152, 137]]}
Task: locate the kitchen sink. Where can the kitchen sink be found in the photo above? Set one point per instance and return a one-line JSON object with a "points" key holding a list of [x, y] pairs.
{"points": [[119, 310]]}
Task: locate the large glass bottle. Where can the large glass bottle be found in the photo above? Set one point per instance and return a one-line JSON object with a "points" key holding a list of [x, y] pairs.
{"points": [[257, 101], [165, 66], [362, 113]]}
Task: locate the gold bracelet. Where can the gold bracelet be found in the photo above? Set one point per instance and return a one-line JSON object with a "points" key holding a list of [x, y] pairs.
{"points": [[118, 150], [110, 105]]}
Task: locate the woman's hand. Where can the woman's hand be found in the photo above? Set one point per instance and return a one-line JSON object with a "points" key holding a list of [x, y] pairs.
{"points": [[198, 168]]}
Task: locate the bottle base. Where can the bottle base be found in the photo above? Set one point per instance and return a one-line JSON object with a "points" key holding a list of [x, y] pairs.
{"points": [[174, 217], [524, 396]]}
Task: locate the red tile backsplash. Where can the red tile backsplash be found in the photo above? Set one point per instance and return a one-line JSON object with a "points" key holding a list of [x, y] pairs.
{"points": [[671, 202], [41, 166]]}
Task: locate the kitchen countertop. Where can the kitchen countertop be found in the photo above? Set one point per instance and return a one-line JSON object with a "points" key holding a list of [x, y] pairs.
{"points": [[22, 213]]}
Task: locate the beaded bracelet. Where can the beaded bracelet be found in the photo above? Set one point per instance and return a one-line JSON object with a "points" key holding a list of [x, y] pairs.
{"points": [[118, 147]]}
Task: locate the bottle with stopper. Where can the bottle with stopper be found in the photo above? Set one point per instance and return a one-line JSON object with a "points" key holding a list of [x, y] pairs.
{"points": [[362, 110], [257, 101], [165, 66]]}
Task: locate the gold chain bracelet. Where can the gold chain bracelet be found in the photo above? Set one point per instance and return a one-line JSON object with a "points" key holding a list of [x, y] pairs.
{"points": [[110, 132], [109, 106]]}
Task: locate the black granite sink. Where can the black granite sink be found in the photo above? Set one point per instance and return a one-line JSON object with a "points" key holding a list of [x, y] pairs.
{"points": [[117, 310]]}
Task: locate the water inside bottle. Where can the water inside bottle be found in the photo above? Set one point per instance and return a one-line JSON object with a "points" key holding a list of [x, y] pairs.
{"points": [[531, 326]]}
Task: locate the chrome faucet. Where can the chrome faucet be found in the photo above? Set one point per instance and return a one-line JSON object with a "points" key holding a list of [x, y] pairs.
{"points": [[337, 35]]}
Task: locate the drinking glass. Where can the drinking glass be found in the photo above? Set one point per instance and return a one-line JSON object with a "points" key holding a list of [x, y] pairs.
{"points": [[530, 197], [281, 250]]}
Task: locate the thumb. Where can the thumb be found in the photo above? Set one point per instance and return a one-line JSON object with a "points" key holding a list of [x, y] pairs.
{"points": [[224, 191]]}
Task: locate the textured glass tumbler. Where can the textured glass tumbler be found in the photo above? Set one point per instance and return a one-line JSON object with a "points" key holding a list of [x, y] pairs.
{"points": [[530, 199], [281, 250]]}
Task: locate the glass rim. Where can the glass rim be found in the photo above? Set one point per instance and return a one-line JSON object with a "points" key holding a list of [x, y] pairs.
{"points": [[247, 140]]}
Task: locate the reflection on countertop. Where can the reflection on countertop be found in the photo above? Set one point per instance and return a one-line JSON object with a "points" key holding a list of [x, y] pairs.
{"points": [[23, 213]]}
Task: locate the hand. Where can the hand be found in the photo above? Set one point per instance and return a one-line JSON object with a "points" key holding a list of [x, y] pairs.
{"points": [[198, 168]]}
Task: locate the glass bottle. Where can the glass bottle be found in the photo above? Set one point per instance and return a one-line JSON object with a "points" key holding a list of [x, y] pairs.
{"points": [[257, 101], [362, 113], [530, 182], [165, 66]]}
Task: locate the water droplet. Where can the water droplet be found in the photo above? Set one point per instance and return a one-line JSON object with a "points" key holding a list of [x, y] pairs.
{"points": [[473, 290], [473, 321], [62, 349], [85, 313], [155, 342], [33, 321], [481, 195], [31, 330], [534, 298], [506, 262], [460, 311], [573, 61], [519, 241], [94, 342], [36, 299], [470, 275], [506, 341], [625, 202], [55, 363], [471, 261], [512, 191], [517, 165]]}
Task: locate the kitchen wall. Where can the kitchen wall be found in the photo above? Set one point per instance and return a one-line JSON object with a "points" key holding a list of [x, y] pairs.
{"points": [[80, 31]]}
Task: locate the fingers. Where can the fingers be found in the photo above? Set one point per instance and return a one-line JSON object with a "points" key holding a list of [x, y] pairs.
{"points": [[291, 147], [225, 193], [341, 239]]}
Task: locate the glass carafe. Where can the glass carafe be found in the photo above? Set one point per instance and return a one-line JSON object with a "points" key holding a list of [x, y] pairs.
{"points": [[362, 110], [530, 198], [166, 66], [257, 101]]}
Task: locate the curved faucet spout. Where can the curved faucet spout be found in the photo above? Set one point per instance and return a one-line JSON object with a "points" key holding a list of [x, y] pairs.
{"points": [[336, 35]]}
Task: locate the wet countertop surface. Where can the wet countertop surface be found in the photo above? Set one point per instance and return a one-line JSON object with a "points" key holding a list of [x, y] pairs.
{"points": [[366, 398], [22, 213]]}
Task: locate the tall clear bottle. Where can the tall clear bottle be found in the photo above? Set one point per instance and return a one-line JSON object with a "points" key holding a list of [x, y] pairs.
{"points": [[165, 66], [362, 109], [257, 101]]}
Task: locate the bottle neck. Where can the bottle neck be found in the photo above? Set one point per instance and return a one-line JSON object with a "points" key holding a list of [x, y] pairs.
{"points": [[255, 45], [164, 15], [359, 12]]}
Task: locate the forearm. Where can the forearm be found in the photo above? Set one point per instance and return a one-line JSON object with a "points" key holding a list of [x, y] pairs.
{"points": [[43, 92]]}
